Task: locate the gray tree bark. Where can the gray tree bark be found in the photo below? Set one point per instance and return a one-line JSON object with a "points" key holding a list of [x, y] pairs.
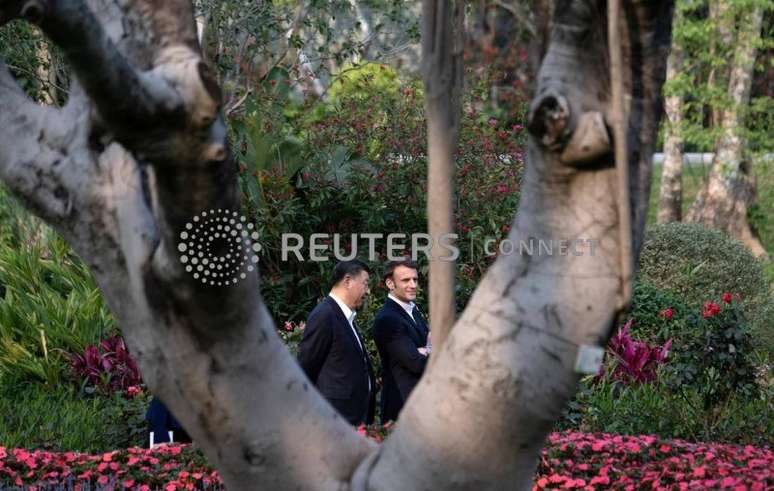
{"points": [[670, 203], [140, 149], [722, 203]]}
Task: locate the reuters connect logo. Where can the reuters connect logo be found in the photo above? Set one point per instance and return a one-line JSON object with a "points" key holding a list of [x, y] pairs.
{"points": [[218, 246]]}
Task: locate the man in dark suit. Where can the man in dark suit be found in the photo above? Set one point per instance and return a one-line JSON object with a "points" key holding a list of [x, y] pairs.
{"points": [[401, 336], [332, 352]]}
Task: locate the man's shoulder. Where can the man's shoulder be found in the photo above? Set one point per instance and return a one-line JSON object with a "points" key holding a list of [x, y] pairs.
{"points": [[387, 309], [323, 311], [388, 314]]}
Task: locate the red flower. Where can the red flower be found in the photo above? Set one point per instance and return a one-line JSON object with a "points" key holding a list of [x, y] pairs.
{"points": [[666, 313], [710, 309], [132, 391], [727, 297]]}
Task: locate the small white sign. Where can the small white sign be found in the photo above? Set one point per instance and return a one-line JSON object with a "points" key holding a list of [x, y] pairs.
{"points": [[589, 359]]}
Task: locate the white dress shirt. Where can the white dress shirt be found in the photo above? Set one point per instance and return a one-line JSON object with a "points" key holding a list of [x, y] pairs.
{"points": [[408, 307]]}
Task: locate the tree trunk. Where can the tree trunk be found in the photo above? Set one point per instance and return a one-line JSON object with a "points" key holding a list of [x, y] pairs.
{"points": [[442, 26], [137, 162], [722, 203], [722, 16], [670, 203]]}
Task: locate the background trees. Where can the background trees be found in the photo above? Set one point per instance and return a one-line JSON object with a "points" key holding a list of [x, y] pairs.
{"points": [[716, 105]]}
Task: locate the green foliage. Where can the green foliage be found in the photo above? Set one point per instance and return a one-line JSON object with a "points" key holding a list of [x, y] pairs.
{"points": [[713, 356], [62, 418], [656, 408], [360, 81], [703, 80], [50, 305], [760, 214], [648, 304], [713, 386], [308, 39], [364, 171], [697, 264]]}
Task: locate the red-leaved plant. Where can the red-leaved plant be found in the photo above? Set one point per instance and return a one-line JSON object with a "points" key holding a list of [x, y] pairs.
{"points": [[109, 366], [635, 361]]}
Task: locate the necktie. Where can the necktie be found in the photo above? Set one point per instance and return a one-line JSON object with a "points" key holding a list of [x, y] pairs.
{"points": [[415, 315]]}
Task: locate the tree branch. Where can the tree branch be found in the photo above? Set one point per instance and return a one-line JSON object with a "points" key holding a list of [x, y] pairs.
{"points": [[124, 97], [35, 153]]}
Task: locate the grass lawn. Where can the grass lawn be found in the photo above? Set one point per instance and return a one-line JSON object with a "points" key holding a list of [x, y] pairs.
{"points": [[761, 216]]}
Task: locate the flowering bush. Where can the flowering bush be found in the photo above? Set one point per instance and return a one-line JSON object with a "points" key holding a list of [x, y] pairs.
{"points": [[635, 361], [712, 353], [108, 367], [569, 460]]}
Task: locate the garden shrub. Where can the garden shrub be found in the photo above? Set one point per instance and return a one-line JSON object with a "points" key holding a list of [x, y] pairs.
{"points": [[108, 367], [698, 264], [713, 346], [64, 418], [656, 408], [713, 355], [651, 305]]}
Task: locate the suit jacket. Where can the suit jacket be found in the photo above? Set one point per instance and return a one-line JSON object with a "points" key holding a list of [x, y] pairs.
{"points": [[332, 359], [397, 337]]}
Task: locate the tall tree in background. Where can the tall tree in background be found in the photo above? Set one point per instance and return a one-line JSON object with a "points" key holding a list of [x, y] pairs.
{"points": [[140, 150], [722, 203]]}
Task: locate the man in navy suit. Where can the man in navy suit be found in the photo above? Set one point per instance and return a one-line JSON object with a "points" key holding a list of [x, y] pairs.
{"points": [[401, 336], [332, 352]]}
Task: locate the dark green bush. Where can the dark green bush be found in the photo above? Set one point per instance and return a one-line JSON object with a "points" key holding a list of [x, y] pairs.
{"points": [[649, 304], [711, 354], [698, 264]]}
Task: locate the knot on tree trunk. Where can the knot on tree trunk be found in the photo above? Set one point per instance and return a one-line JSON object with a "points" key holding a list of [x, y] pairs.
{"points": [[184, 70], [550, 120], [589, 141]]}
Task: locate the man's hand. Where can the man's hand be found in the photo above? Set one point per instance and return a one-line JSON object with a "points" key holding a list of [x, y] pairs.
{"points": [[423, 351]]}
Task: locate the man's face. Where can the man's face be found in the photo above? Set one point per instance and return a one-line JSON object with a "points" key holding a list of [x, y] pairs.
{"points": [[404, 283], [358, 289]]}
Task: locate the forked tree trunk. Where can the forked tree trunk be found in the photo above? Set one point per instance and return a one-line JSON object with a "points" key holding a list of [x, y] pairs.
{"points": [[140, 150], [722, 203], [670, 202]]}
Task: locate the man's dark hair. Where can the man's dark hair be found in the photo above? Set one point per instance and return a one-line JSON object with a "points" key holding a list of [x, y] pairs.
{"points": [[389, 268], [352, 267]]}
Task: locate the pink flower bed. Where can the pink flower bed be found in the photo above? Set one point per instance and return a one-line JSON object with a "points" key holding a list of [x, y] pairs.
{"points": [[167, 467], [570, 460], [605, 461]]}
